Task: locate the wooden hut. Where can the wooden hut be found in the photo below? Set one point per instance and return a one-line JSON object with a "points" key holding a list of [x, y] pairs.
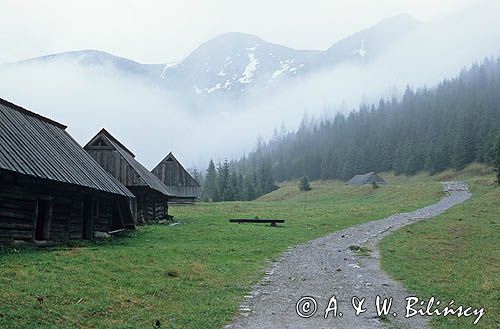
{"points": [[50, 188], [151, 194], [182, 185], [368, 178]]}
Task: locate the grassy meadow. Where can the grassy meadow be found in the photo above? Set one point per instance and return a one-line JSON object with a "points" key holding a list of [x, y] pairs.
{"points": [[191, 275], [455, 256]]}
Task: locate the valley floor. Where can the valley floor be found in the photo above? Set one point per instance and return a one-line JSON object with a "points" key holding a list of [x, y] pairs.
{"points": [[342, 264], [194, 274]]}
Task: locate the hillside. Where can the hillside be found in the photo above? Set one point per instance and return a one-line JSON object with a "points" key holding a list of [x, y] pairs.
{"points": [[446, 127]]}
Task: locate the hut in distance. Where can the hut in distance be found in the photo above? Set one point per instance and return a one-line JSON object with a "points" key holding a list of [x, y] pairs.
{"points": [[151, 194], [369, 178], [177, 179], [51, 190]]}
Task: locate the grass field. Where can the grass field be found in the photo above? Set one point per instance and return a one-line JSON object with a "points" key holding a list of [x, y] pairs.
{"points": [[192, 275], [455, 256]]}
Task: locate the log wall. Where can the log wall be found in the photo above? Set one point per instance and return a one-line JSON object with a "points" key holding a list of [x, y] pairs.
{"points": [[19, 196]]}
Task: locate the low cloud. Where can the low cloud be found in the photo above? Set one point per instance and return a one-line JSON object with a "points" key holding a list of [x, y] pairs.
{"points": [[152, 122]]}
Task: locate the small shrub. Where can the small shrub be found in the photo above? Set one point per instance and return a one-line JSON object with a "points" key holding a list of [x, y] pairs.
{"points": [[304, 184], [496, 159]]}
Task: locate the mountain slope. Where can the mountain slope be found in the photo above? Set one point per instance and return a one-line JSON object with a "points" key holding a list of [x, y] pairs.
{"points": [[234, 63], [228, 68], [96, 59], [445, 127], [369, 43]]}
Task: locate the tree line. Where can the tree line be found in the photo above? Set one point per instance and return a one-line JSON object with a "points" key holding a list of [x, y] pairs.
{"points": [[428, 129], [227, 182]]}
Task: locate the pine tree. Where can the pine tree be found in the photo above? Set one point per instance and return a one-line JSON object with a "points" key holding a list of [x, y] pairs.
{"points": [[210, 189], [197, 176], [233, 187], [250, 186], [265, 178], [223, 173]]}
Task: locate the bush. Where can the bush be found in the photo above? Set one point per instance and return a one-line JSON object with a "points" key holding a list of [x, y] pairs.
{"points": [[304, 184]]}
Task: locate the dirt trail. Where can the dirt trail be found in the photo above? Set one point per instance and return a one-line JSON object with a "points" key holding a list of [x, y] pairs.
{"points": [[331, 266]]}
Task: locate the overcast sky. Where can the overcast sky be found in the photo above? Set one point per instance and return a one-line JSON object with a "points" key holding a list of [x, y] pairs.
{"points": [[161, 31]]}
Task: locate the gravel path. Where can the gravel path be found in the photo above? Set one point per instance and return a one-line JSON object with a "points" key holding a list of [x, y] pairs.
{"points": [[331, 266]]}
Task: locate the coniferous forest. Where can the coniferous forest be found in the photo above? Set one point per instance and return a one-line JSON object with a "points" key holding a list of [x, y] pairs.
{"points": [[430, 129]]}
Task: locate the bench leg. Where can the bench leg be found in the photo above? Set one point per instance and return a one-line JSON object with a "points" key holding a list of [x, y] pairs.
{"points": [[273, 224]]}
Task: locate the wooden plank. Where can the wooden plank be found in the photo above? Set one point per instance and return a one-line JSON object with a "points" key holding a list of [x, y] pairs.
{"points": [[15, 226], [273, 222], [16, 214], [252, 220]]}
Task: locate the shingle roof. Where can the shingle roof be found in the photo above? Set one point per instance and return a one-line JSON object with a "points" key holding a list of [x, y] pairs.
{"points": [[365, 179], [33, 145], [149, 179]]}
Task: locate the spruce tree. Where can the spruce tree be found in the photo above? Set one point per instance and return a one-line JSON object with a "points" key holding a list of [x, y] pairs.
{"points": [[223, 173], [250, 186], [210, 189]]}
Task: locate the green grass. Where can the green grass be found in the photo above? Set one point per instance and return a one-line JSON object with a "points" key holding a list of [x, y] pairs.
{"points": [[455, 256], [192, 275]]}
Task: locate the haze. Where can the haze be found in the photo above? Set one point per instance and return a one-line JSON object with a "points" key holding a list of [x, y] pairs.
{"points": [[153, 122], [158, 31]]}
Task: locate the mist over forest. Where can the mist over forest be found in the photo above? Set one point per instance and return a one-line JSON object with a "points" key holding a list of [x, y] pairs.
{"points": [[153, 120]]}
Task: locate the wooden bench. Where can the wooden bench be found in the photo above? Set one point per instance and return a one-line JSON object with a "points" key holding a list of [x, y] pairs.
{"points": [[273, 222]]}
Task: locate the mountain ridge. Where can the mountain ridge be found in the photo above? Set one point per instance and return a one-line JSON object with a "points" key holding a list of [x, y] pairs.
{"points": [[227, 68]]}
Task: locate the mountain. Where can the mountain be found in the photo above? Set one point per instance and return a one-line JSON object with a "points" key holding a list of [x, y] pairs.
{"points": [[233, 64], [230, 67], [99, 59], [369, 43]]}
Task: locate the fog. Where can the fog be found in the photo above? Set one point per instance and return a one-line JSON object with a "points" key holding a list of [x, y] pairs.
{"points": [[151, 122]]}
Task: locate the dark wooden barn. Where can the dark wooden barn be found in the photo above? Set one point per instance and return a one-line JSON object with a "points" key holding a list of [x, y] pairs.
{"points": [[178, 181], [151, 194], [368, 178], [50, 188]]}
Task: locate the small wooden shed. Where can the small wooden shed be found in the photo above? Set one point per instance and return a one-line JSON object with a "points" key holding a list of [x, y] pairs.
{"points": [[178, 180], [50, 188], [151, 194], [368, 178]]}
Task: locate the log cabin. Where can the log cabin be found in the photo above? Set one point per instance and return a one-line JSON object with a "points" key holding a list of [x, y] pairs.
{"points": [[51, 190], [178, 180], [151, 195], [369, 178]]}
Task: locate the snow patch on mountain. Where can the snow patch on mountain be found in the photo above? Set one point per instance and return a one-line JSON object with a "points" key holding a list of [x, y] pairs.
{"points": [[286, 67], [250, 69], [165, 68], [362, 50]]}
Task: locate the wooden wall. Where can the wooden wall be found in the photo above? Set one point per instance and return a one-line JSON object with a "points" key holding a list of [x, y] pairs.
{"points": [[150, 206], [19, 196], [116, 165], [178, 180]]}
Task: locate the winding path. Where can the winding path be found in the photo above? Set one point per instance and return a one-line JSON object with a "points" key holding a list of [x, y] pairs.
{"points": [[331, 266]]}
